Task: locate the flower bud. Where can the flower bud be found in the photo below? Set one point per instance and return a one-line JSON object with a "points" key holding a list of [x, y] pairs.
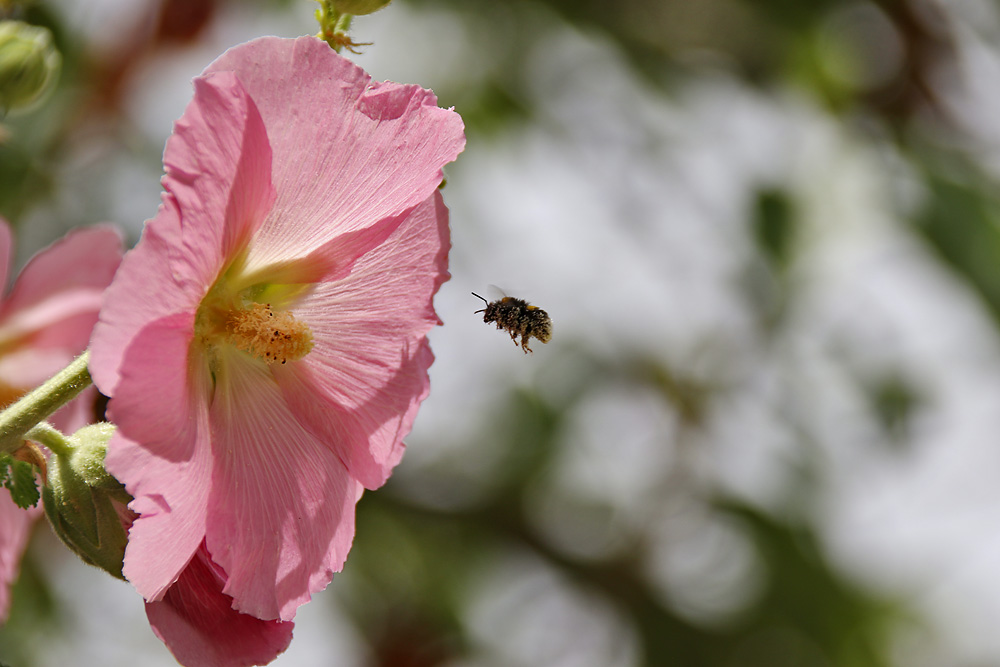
{"points": [[28, 64], [85, 504], [359, 7]]}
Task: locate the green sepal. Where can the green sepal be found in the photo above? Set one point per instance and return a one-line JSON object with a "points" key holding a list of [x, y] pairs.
{"points": [[85, 504]]}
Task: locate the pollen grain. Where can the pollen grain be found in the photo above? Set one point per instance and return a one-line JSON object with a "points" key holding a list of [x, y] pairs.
{"points": [[269, 336]]}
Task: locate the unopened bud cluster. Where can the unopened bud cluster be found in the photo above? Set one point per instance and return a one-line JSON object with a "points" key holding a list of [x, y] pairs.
{"points": [[29, 64]]}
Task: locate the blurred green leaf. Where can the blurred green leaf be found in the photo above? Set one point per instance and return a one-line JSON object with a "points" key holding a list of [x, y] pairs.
{"points": [[961, 221], [808, 612], [774, 226]]}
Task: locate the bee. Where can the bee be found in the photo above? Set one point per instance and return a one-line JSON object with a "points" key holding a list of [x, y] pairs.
{"points": [[518, 318]]}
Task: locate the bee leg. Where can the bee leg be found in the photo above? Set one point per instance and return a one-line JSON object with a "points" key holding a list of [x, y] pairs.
{"points": [[524, 344]]}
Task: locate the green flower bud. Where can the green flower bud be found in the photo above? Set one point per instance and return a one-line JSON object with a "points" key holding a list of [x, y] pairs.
{"points": [[85, 504], [359, 7], [29, 64]]}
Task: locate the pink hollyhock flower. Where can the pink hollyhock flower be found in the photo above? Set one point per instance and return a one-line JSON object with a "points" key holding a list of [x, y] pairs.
{"points": [[264, 344], [45, 321]]}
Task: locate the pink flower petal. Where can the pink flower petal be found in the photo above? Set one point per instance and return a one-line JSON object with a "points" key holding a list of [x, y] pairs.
{"points": [[163, 352], [331, 261], [360, 386], [25, 367], [63, 320], [53, 305], [281, 516], [83, 261], [347, 153], [218, 164], [198, 624], [162, 543], [128, 306], [169, 478], [368, 439]]}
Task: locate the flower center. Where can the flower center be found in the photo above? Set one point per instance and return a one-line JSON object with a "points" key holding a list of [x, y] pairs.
{"points": [[269, 336]]}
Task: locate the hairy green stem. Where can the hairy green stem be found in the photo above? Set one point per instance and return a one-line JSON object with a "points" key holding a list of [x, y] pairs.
{"points": [[344, 22], [333, 24], [35, 406], [46, 434]]}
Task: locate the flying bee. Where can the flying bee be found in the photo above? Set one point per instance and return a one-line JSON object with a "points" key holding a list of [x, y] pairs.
{"points": [[518, 318]]}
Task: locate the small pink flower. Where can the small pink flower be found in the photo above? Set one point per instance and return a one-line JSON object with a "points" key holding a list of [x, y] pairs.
{"points": [[265, 342], [45, 321]]}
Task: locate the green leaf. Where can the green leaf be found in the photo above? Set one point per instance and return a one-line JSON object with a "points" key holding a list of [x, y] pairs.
{"points": [[22, 485]]}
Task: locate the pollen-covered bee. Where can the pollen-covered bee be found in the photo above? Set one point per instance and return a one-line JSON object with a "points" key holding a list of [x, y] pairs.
{"points": [[518, 318]]}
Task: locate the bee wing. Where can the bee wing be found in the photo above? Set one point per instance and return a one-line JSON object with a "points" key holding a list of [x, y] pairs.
{"points": [[494, 293]]}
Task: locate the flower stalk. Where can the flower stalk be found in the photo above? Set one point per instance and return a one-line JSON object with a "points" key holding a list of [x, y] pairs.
{"points": [[53, 439], [334, 24], [34, 407]]}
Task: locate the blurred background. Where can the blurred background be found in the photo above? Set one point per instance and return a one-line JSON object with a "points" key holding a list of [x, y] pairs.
{"points": [[765, 432]]}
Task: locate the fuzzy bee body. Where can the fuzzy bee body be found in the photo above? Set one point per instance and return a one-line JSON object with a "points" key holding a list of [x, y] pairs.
{"points": [[518, 318]]}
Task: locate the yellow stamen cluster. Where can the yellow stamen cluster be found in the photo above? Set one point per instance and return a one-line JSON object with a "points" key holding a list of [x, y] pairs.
{"points": [[272, 337]]}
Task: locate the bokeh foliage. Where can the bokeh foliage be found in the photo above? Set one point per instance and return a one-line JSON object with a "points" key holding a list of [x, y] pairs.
{"points": [[414, 563]]}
